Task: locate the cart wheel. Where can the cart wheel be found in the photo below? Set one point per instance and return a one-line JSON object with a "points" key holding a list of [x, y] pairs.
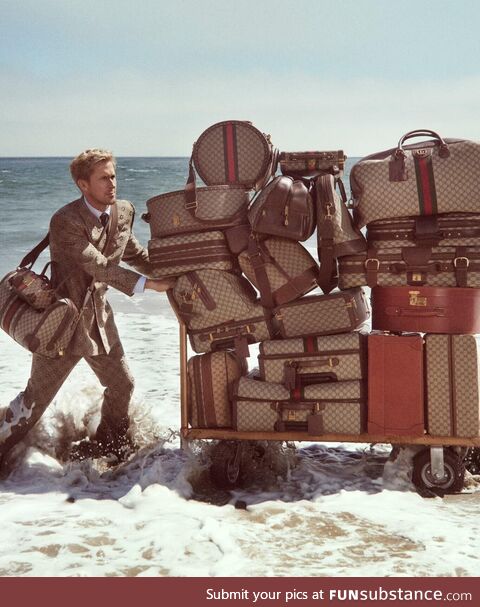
{"points": [[226, 464], [472, 460], [453, 477]]}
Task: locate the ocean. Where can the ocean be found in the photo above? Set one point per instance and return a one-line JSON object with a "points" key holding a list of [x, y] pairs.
{"points": [[313, 510]]}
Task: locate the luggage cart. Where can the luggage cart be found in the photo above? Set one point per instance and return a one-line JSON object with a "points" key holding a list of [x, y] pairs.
{"points": [[438, 468]]}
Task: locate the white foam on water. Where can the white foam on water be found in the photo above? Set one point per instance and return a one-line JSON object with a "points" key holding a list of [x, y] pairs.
{"points": [[323, 509]]}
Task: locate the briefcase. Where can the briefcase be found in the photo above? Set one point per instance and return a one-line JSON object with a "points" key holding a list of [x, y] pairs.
{"points": [[426, 309], [309, 164], [434, 176]]}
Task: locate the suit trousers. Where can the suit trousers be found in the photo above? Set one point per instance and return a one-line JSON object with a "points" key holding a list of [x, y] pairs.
{"points": [[46, 378]]}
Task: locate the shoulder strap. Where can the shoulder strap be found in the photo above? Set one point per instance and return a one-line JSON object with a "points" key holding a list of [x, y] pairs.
{"points": [[257, 258], [31, 258], [325, 203]]}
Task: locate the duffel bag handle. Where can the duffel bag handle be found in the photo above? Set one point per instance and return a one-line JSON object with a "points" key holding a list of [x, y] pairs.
{"points": [[443, 152]]}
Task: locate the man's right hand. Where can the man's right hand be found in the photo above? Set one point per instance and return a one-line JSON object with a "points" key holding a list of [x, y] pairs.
{"points": [[160, 284]]}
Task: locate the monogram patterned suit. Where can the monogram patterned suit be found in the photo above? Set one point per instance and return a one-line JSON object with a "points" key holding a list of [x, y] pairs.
{"points": [[77, 242]]}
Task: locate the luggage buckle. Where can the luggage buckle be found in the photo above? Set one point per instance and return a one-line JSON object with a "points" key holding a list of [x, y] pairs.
{"points": [[191, 205], [329, 213], [463, 259], [375, 260]]}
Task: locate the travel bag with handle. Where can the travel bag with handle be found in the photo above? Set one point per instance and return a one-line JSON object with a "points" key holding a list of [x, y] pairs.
{"points": [[30, 311], [452, 364], [336, 235], [234, 152], [339, 312], [426, 309], [284, 208], [309, 164], [313, 359], [220, 311], [212, 208], [281, 269], [434, 176], [335, 407], [175, 255], [211, 378]]}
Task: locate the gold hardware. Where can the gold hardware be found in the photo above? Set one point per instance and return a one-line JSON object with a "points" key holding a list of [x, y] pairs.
{"points": [[61, 352], [176, 220], [416, 299], [416, 277], [311, 163], [191, 205], [457, 259], [367, 261], [286, 215], [329, 214]]}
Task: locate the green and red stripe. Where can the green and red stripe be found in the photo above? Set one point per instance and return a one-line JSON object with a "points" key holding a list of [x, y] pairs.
{"points": [[427, 195], [230, 152]]}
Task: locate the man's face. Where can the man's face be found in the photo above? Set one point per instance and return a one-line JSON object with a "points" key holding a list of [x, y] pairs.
{"points": [[100, 189]]}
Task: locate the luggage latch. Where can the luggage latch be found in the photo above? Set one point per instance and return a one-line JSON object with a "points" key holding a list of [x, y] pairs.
{"points": [[416, 299]]}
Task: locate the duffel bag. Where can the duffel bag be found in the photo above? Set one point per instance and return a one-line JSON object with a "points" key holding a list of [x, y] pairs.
{"points": [[211, 377], [220, 311], [313, 359], [175, 255], [283, 208], [234, 152], [211, 208], [336, 234], [281, 269], [339, 312], [434, 176]]}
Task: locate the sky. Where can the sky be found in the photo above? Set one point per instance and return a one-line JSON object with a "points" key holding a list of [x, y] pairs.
{"points": [[146, 77]]}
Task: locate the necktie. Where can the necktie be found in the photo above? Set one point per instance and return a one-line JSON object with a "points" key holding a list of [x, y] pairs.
{"points": [[104, 217]]}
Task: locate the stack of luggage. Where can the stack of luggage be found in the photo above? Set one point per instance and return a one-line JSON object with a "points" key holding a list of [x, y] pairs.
{"points": [[419, 203], [244, 277]]}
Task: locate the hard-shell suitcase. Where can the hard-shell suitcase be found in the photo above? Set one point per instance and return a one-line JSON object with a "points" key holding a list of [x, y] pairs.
{"points": [[309, 164], [234, 152], [175, 255], [281, 269], [395, 385], [211, 377], [339, 312], [335, 407], [283, 208], [314, 359], [426, 309], [214, 208], [220, 311], [426, 178], [415, 266], [452, 377]]}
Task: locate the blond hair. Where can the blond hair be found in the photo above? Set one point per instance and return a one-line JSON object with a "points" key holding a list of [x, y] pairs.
{"points": [[82, 166]]}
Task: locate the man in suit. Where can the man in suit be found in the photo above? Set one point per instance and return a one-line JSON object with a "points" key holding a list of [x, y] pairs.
{"points": [[88, 239]]}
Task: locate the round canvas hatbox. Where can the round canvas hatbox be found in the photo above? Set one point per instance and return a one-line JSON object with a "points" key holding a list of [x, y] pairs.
{"points": [[234, 152]]}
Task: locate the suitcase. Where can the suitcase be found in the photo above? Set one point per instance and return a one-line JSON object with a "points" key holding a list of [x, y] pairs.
{"points": [[220, 311], [309, 164], [339, 312], [215, 207], [234, 152], [452, 377], [211, 377], [46, 332], [285, 209], [338, 407], [281, 269], [314, 359], [426, 309], [175, 255], [336, 235], [415, 266], [434, 176], [395, 385]]}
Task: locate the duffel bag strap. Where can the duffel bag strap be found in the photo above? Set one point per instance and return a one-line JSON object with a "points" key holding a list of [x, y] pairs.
{"points": [[325, 203], [257, 255], [460, 264], [31, 258], [191, 188]]}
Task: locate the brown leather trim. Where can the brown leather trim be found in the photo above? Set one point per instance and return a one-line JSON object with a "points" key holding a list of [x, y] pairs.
{"points": [[18, 317], [452, 386], [186, 246], [196, 261], [296, 287], [202, 290], [66, 321], [208, 400], [15, 303]]}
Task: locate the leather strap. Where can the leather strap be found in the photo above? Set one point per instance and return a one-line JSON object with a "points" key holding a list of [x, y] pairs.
{"points": [[461, 264], [325, 203], [256, 255]]}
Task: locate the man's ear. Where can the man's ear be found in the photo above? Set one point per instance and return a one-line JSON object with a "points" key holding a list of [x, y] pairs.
{"points": [[82, 185]]}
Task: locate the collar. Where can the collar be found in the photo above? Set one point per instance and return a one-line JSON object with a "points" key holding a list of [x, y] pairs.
{"points": [[95, 211]]}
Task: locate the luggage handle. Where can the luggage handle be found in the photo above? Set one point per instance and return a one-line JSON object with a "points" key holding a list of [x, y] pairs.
{"points": [[426, 312], [443, 152], [323, 362]]}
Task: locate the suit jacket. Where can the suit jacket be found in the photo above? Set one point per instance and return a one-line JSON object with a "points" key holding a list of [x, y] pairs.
{"points": [[76, 242]]}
